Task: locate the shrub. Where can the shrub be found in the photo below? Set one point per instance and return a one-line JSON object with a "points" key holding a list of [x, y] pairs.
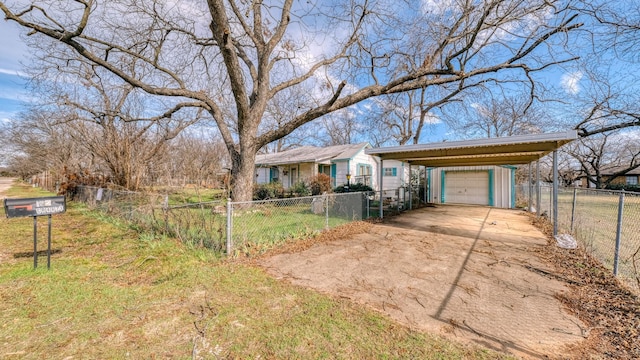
{"points": [[352, 188], [301, 189], [626, 187], [272, 190], [320, 184]]}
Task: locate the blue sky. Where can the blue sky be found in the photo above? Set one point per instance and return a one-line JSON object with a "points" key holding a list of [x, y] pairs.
{"points": [[12, 91], [13, 94]]}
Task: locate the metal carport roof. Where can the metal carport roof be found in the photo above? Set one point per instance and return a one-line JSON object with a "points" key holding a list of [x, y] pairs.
{"points": [[512, 150]]}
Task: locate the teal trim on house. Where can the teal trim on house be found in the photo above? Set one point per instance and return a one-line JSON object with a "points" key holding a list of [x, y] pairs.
{"points": [[491, 191], [334, 170], [270, 174], [442, 186], [513, 187]]}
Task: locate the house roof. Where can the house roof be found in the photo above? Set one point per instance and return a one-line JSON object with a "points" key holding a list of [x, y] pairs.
{"points": [[311, 154], [510, 150], [612, 170]]}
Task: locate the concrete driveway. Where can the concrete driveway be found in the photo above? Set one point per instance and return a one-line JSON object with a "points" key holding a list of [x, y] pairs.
{"points": [[466, 272]]}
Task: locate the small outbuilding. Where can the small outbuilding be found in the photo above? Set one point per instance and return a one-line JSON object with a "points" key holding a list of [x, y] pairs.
{"points": [[490, 185], [474, 171]]}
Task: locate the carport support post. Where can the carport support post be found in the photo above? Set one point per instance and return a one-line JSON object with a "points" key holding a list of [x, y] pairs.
{"points": [[426, 181], [538, 195], [381, 172], [555, 192], [410, 189], [530, 188]]}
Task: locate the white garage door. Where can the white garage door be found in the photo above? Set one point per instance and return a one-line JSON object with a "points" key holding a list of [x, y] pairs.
{"points": [[467, 187]]}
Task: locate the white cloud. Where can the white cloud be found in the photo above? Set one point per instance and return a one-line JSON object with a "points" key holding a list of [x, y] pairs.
{"points": [[570, 82], [12, 72], [438, 7]]}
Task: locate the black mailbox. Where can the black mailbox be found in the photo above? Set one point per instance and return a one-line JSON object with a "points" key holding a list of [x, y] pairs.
{"points": [[35, 206]]}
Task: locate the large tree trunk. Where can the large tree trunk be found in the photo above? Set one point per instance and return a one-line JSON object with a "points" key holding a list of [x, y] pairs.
{"points": [[243, 171], [242, 175]]}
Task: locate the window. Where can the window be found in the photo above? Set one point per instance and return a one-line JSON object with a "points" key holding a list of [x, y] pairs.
{"points": [[363, 170], [390, 172], [632, 180]]}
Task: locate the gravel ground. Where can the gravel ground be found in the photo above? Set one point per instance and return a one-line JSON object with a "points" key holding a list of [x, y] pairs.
{"points": [[474, 274]]}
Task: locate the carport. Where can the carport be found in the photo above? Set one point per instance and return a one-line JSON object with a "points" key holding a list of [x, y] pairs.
{"points": [[512, 150]]}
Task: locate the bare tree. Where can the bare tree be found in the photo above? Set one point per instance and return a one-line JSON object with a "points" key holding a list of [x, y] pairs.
{"points": [[608, 108], [615, 26], [605, 156], [195, 158], [404, 116], [280, 110], [38, 145], [339, 128], [231, 58], [495, 115], [107, 118]]}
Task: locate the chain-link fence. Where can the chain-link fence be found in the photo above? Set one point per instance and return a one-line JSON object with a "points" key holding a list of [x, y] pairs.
{"points": [[605, 222], [200, 224], [243, 227]]}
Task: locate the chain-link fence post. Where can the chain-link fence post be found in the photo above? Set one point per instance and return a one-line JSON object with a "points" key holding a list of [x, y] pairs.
{"points": [[229, 225], [616, 256], [368, 204], [573, 208], [326, 210]]}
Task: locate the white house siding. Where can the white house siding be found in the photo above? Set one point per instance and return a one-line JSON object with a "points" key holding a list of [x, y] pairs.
{"points": [[341, 172], [263, 175], [502, 189], [402, 174], [363, 159]]}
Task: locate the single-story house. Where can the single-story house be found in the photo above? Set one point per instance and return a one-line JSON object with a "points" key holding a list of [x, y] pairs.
{"points": [[630, 178], [482, 185], [303, 163], [300, 164]]}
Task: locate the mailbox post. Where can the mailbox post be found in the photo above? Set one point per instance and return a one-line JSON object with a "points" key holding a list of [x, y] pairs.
{"points": [[34, 207]]}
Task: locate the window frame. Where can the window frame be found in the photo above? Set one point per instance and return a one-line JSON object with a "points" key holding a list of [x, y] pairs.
{"points": [[390, 171], [628, 180]]}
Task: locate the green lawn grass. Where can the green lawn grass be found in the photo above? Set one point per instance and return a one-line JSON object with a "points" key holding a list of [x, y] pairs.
{"points": [[114, 293], [595, 226]]}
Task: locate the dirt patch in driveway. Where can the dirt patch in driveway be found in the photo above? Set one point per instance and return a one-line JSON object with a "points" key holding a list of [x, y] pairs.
{"points": [[469, 273]]}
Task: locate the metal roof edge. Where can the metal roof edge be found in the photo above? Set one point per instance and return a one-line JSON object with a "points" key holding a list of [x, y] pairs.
{"points": [[518, 139]]}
